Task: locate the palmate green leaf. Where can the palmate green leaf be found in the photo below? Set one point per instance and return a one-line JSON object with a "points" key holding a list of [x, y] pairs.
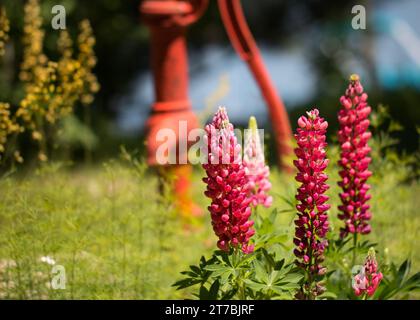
{"points": [[367, 244], [229, 294], [273, 217], [247, 260], [403, 271], [413, 283], [291, 278], [224, 258], [337, 245], [260, 271], [224, 278], [215, 267], [267, 225], [396, 282], [190, 273], [282, 295], [281, 288], [269, 239], [218, 270], [214, 290], [195, 269], [269, 258], [256, 286], [185, 283], [223, 273], [290, 201], [278, 265], [328, 295], [204, 293]]}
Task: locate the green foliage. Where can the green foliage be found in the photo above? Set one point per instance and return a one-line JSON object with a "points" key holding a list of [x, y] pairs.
{"points": [[397, 283], [117, 237], [74, 133], [234, 275], [259, 275]]}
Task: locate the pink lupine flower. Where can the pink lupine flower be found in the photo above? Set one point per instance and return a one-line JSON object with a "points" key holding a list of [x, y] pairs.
{"points": [[227, 186], [312, 222], [354, 161], [255, 169], [368, 279]]}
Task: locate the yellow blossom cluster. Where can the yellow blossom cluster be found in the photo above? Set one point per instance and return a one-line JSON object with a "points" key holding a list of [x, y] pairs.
{"points": [[87, 60], [4, 30], [40, 101], [34, 60], [7, 125], [52, 89]]}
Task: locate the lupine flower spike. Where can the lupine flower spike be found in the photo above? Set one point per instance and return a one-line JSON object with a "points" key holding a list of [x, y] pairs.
{"points": [[255, 169], [368, 279], [354, 161], [312, 222], [227, 186]]}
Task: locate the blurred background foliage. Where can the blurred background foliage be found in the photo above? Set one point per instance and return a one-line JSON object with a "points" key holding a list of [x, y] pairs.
{"points": [[309, 47], [102, 221]]}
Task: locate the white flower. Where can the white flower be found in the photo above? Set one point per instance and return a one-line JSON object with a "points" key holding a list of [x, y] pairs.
{"points": [[48, 260]]}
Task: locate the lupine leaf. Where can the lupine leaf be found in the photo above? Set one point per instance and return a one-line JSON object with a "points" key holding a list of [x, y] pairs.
{"points": [[214, 289]]}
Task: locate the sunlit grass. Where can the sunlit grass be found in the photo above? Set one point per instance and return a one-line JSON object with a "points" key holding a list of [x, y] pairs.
{"points": [[117, 237]]}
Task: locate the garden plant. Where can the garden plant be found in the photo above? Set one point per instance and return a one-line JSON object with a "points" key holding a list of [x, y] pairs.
{"points": [[341, 223]]}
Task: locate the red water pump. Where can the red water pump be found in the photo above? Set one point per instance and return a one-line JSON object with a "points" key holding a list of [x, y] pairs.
{"points": [[168, 21]]}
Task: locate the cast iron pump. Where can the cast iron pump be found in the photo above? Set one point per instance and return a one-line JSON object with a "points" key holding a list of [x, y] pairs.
{"points": [[168, 21]]}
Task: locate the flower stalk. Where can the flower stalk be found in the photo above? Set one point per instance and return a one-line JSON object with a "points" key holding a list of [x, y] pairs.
{"points": [[227, 186], [312, 221], [353, 137]]}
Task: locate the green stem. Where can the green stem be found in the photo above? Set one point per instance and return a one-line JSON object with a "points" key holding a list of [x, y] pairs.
{"points": [[354, 249], [237, 256]]}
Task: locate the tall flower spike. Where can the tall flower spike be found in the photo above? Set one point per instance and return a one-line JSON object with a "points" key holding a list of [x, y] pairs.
{"points": [[255, 169], [353, 137], [226, 186], [368, 280], [312, 221]]}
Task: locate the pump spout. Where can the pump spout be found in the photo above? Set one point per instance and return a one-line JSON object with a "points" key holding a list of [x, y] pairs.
{"points": [[244, 44]]}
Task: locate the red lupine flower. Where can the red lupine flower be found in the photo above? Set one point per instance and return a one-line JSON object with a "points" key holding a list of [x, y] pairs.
{"points": [[368, 280], [227, 186], [312, 222], [353, 137], [256, 170]]}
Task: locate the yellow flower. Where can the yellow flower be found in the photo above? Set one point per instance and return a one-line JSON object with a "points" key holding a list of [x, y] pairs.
{"points": [[87, 60], [4, 30], [42, 157], [33, 56], [18, 157], [52, 89], [36, 135], [7, 125]]}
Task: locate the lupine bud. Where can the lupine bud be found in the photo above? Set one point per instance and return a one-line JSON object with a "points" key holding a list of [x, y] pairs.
{"points": [[227, 186], [255, 169], [312, 221], [354, 161], [368, 280]]}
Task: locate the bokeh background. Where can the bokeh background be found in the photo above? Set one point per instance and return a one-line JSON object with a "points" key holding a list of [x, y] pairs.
{"points": [[94, 208], [309, 48]]}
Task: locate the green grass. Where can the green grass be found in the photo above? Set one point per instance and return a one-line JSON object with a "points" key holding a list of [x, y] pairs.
{"points": [[118, 238]]}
